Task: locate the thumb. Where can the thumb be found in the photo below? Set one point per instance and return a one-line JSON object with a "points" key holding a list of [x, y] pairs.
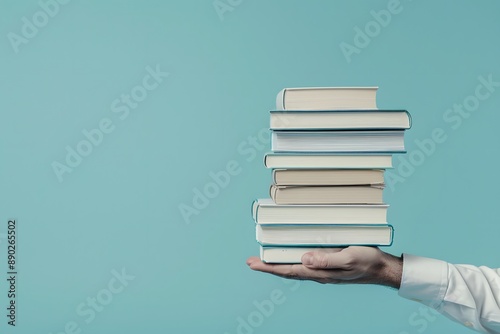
{"points": [[324, 259]]}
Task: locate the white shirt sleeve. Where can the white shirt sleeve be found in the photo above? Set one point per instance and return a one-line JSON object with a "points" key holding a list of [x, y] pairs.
{"points": [[467, 294]]}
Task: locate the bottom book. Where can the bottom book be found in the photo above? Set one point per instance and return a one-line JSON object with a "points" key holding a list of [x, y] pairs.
{"points": [[286, 255]]}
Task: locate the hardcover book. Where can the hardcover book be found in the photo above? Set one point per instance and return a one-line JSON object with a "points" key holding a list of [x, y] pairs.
{"points": [[340, 120], [265, 211], [324, 235], [338, 141], [327, 177], [327, 160], [327, 98], [327, 194]]}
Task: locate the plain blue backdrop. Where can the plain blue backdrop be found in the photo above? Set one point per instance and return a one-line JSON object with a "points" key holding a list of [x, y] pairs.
{"points": [[119, 207]]}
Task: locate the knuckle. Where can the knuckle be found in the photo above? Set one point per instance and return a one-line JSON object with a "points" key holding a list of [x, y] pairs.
{"points": [[292, 273], [350, 261], [322, 262]]}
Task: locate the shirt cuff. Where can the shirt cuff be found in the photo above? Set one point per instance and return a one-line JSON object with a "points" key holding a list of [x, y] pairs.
{"points": [[424, 280]]}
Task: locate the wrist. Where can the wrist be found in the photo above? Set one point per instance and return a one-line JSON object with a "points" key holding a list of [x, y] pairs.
{"points": [[390, 271]]}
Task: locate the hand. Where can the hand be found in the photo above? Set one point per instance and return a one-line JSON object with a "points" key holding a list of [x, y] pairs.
{"points": [[354, 264]]}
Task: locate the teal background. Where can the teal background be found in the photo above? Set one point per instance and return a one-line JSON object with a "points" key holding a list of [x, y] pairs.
{"points": [[120, 207]]}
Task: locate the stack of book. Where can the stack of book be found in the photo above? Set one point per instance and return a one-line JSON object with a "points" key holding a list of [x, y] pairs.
{"points": [[330, 148]]}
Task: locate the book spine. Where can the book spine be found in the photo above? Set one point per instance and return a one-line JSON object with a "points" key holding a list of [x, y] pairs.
{"points": [[280, 100], [392, 234], [273, 190], [255, 208], [409, 119], [265, 161], [273, 140], [274, 177]]}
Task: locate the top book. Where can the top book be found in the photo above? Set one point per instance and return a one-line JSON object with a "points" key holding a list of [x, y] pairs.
{"points": [[327, 98]]}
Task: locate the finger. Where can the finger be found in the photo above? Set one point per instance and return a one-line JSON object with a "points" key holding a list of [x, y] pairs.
{"points": [[252, 259], [335, 258], [256, 264], [296, 271]]}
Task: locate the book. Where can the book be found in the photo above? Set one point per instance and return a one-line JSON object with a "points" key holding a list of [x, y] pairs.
{"points": [[338, 141], [328, 160], [327, 194], [324, 235], [284, 254], [340, 119], [265, 211], [287, 255], [327, 177], [270, 254], [327, 98]]}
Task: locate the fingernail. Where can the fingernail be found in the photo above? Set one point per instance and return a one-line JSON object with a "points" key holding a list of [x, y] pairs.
{"points": [[307, 259]]}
